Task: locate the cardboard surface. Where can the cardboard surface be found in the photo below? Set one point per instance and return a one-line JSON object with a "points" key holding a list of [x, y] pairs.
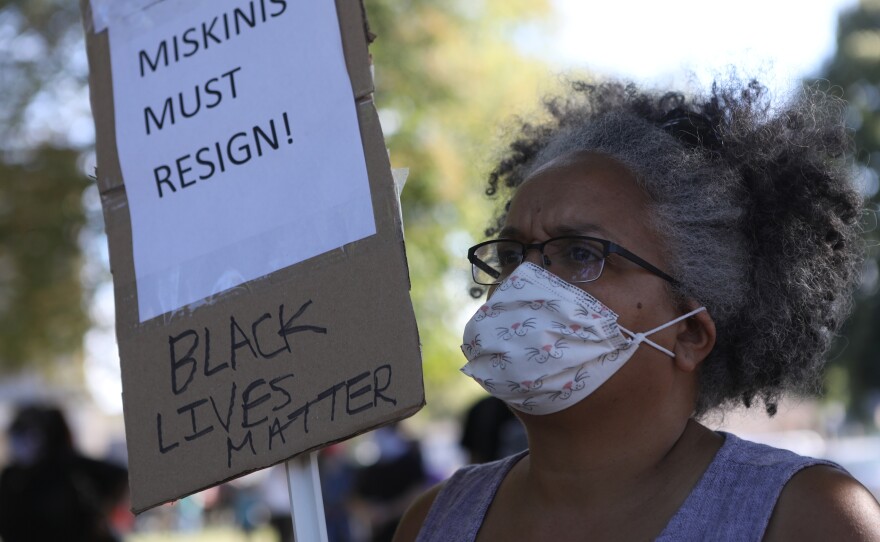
{"points": [[311, 354]]}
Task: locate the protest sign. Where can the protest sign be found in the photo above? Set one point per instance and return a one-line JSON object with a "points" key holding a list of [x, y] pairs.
{"points": [[255, 238]]}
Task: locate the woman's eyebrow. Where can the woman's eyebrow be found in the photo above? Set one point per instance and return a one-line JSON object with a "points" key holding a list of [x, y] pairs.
{"points": [[508, 232], [585, 228]]}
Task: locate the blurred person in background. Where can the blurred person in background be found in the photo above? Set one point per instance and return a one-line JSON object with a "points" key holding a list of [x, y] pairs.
{"points": [[50, 492], [491, 431], [383, 489], [275, 493], [337, 478], [658, 257]]}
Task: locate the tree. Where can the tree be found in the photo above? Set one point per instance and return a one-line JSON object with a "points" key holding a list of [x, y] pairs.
{"points": [[42, 72], [855, 68], [43, 309], [447, 74], [41, 295]]}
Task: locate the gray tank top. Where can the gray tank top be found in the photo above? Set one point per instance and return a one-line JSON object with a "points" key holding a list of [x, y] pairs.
{"points": [[732, 501]]}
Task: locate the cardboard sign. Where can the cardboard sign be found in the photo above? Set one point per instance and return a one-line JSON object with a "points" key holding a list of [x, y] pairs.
{"points": [[255, 236]]}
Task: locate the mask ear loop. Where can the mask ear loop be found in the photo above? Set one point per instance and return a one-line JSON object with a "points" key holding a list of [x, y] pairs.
{"points": [[642, 337]]}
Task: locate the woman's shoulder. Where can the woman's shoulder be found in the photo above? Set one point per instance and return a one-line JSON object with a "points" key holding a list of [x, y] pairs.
{"points": [[412, 520], [758, 492], [824, 503], [463, 498]]}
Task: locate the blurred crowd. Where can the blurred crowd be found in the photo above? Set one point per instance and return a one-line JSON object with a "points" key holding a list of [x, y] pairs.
{"points": [[367, 483], [51, 491]]}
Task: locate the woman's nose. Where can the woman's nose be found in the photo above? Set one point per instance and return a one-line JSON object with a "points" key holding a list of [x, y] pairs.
{"points": [[536, 257]]}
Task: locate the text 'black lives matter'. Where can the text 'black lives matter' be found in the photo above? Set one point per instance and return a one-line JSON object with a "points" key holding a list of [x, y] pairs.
{"points": [[260, 414]]}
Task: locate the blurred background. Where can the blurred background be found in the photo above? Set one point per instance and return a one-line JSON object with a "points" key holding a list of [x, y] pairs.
{"points": [[450, 75]]}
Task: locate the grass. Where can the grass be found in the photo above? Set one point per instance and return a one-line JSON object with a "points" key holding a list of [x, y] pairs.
{"points": [[211, 534]]}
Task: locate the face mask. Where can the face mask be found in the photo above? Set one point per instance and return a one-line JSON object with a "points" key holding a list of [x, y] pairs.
{"points": [[541, 344]]}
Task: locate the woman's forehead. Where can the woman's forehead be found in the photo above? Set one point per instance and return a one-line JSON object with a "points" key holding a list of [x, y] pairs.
{"points": [[586, 194], [575, 183]]}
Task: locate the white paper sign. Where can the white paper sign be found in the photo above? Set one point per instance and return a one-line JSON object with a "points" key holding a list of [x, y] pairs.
{"points": [[238, 141]]}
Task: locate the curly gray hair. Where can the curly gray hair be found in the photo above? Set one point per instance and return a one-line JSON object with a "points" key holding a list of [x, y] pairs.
{"points": [[757, 207]]}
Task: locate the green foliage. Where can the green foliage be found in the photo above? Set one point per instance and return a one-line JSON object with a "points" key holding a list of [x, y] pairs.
{"points": [[447, 73], [39, 40], [855, 69], [42, 313]]}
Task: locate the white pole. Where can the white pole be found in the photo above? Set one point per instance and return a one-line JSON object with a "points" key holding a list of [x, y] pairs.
{"points": [[306, 502]]}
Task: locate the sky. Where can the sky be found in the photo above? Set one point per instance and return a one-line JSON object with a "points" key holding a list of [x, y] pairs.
{"points": [[779, 41]]}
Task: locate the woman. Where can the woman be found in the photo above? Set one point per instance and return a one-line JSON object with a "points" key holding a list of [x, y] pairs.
{"points": [[659, 258]]}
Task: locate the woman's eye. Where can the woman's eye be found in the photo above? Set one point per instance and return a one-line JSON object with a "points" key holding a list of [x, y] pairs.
{"points": [[506, 257], [583, 253]]}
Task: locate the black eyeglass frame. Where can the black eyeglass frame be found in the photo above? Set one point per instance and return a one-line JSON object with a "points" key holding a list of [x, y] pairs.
{"points": [[608, 247]]}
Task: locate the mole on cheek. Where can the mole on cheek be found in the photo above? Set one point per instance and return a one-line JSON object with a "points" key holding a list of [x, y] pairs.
{"points": [[639, 305]]}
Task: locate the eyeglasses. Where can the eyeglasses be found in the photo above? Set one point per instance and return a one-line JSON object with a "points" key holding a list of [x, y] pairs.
{"points": [[573, 258]]}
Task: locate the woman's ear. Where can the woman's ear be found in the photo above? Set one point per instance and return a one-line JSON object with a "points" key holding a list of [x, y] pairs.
{"points": [[695, 339]]}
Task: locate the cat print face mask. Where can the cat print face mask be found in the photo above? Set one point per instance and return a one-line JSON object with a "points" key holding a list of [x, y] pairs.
{"points": [[541, 344]]}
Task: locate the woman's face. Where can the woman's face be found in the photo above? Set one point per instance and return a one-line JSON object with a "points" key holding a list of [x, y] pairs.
{"points": [[590, 194]]}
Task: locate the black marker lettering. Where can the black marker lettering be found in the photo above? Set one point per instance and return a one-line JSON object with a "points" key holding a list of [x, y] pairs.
{"points": [[187, 359], [304, 410], [208, 370], [377, 390], [331, 391], [247, 441], [228, 411], [264, 355], [192, 410], [247, 404], [286, 328], [162, 448], [357, 393], [233, 327], [272, 384], [278, 429]]}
